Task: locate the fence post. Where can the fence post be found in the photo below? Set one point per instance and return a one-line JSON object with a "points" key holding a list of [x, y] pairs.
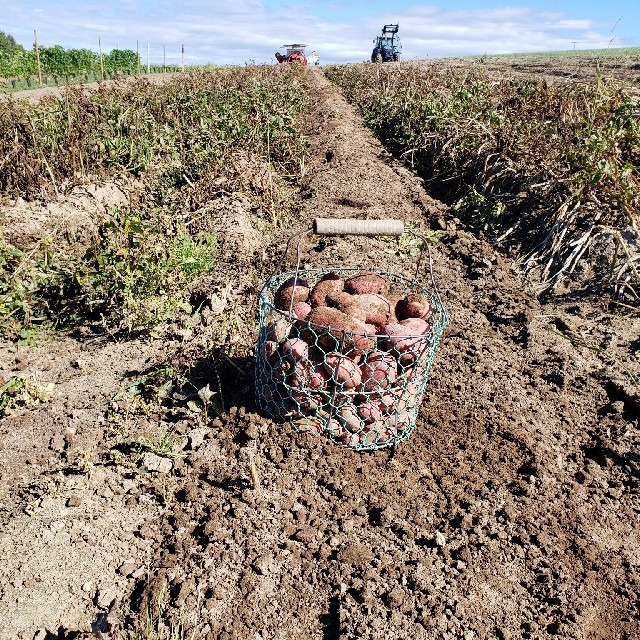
{"points": [[148, 60], [35, 37], [137, 58], [183, 58], [101, 62], [164, 58]]}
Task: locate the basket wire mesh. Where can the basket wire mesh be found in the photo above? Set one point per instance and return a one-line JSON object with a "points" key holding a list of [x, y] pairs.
{"points": [[361, 389]]}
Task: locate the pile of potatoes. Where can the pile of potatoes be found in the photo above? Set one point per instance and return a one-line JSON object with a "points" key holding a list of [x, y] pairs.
{"points": [[345, 357]]}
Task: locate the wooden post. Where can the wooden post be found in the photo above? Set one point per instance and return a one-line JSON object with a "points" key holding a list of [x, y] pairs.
{"points": [[137, 58], [148, 57], [35, 37], [183, 58], [101, 61], [164, 58]]}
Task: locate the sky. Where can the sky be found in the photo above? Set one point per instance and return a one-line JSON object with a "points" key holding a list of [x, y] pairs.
{"points": [[246, 31]]}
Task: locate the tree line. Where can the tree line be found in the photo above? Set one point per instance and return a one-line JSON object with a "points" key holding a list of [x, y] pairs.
{"points": [[17, 62]]}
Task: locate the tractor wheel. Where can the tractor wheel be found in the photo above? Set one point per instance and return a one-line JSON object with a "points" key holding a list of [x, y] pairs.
{"points": [[378, 57]]}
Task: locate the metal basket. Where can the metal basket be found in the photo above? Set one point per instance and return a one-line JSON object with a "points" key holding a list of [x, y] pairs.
{"points": [[360, 389]]}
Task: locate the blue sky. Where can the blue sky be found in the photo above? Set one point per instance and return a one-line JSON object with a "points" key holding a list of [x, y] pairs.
{"points": [[224, 32]]}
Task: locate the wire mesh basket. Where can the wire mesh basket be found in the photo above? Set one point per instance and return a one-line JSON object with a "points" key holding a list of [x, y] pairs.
{"points": [[345, 352]]}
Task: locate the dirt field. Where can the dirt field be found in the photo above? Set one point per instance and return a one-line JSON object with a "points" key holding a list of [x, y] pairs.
{"points": [[511, 511]]}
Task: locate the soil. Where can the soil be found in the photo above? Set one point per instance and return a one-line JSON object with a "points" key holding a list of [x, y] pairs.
{"points": [[510, 512]]}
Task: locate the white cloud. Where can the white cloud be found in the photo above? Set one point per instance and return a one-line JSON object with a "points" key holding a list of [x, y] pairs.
{"points": [[233, 33]]}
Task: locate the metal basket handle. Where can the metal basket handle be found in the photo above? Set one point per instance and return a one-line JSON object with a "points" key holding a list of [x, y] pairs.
{"points": [[354, 227]]}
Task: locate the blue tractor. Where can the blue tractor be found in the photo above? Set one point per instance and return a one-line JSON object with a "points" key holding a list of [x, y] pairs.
{"points": [[388, 46]]}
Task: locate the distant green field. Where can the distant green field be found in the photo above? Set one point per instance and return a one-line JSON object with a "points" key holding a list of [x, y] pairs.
{"points": [[619, 51]]}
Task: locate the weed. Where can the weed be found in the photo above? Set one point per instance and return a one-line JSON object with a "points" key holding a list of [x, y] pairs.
{"points": [[9, 392], [156, 622], [26, 391], [408, 244], [485, 213], [161, 445]]}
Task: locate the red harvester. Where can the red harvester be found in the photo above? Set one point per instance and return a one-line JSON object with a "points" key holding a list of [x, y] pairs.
{"points": [[295, 53]]}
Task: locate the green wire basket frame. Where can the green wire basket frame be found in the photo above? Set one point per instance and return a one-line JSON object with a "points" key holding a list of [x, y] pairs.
{"points": [[378, 412]]}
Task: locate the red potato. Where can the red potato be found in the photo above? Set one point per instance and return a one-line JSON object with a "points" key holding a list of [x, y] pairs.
{"points": [[328, 283], [355, 354], [307, 402], [295, 349], [348, 416], [400, 422], [394, 301], [377, 309], [281, 370], [278, 330], [401, 337], [301, 310], [269, 351], [346, 303], [369, 437], [367, 283], [309, 424], [387, 403], [309, 376], [350, 439], [369, 412], [334, 429], [371, 329], [386, 435], [414, 306], [414, 358], [290, 292], [328, 327], [339, 400], [378, 371], [342, 370], [418, 326]]}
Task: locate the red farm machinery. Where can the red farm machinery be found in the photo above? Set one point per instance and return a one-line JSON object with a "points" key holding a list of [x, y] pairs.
{"points": [[295, 53]]}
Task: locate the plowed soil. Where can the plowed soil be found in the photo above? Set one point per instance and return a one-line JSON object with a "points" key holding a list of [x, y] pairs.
{"points": [[510, 512]]}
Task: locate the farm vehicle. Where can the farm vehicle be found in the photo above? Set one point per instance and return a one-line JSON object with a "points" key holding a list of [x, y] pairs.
{"points": [[387, 46], [295, 53]]}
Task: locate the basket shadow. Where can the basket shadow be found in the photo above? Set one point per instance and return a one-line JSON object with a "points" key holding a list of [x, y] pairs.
{"points": [[331, 620]]}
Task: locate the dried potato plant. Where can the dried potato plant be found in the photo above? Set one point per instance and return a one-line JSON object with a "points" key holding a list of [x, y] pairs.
{"points": [[547, 166]]}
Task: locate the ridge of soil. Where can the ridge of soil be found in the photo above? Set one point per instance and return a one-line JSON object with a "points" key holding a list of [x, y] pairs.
{"points": [[510, 512]]}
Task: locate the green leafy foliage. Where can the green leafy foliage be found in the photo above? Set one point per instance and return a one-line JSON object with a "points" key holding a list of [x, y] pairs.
{"points": [[485, 213], [58, 61], [8, 45], [144, 269]]}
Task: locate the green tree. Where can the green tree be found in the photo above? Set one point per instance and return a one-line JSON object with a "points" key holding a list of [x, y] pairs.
{"points": [[121, 59], [54, 60], [8, 45], [82, 60]]}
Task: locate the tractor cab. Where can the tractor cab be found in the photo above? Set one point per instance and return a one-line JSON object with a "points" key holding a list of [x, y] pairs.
{"points": [[387, 46]]}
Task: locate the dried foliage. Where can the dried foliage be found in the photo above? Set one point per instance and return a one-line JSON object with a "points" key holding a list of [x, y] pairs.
{"points": [[194, 138], [548, 165]]}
